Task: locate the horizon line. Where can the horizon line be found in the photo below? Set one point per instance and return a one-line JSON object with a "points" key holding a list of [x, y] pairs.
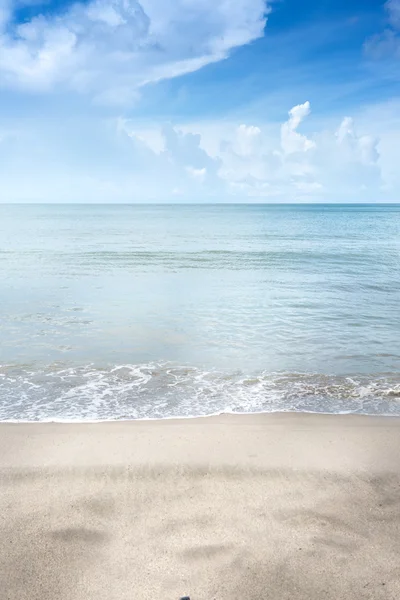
{"points": [[394, 203]]}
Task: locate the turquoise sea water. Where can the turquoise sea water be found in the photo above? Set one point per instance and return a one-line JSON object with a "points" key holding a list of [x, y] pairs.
{"points": [[118, 312]]}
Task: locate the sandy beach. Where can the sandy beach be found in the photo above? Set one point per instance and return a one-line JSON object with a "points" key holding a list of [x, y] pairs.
{"points": [[222, 508]]}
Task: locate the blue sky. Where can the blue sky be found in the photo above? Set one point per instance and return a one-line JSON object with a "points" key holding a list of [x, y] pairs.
{"points": [[199, 100]]}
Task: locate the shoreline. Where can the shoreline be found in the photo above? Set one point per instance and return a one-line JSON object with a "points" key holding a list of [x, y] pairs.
{"points": [[199, 417], [294, 506]]}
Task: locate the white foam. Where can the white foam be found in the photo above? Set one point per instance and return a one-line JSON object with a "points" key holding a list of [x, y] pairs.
{"points": [[67, 393]]}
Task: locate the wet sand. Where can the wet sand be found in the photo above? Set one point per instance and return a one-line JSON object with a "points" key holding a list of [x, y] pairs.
{"points": [[226, 508]]}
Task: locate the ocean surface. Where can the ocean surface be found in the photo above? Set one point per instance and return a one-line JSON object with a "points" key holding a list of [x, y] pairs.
{"points": [[132, 312]]}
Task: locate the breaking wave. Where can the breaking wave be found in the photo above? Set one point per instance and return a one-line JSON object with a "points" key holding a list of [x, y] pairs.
{"points": [[163, 390]]}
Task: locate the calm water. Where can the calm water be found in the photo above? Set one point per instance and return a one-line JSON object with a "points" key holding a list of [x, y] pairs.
{"points": [[116, 312]]}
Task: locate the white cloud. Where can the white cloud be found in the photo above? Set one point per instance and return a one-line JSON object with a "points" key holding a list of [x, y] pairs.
{"points": [[291, 140], [247, 138], [198, 174], [117, 161], [386, 43], [309, 187], [393, 9], [364, 147], [153, 138], [334, 165], [345, 130], [110, 48], [382, 121]]}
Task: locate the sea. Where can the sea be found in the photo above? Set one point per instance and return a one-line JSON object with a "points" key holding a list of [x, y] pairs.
{"points": [[113, 312]]}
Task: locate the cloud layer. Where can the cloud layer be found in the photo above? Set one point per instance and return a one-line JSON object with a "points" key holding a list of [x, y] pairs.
{"points": [[111, 48], [119, 161]]}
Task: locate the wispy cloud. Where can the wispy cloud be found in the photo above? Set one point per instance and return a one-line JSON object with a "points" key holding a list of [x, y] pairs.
{"points": [[393, 9], [111, 48], [387, 43]]}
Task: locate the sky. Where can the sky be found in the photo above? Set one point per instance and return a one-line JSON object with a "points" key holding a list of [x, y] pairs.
{"points": [[199, 101]]}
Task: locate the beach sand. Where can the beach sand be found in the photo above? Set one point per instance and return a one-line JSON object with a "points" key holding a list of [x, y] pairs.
{"points": [[222, 508]]}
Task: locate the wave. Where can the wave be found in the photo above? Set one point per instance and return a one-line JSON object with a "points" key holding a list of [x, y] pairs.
{"points": [[164, 390]]}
